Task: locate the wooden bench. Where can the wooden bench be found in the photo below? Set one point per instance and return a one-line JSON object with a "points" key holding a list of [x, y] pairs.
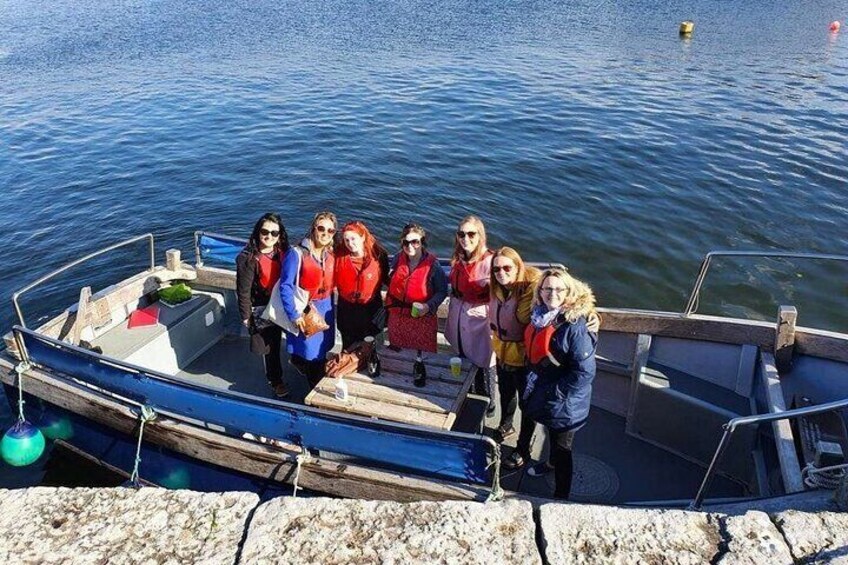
{"points": [[393, 396]]}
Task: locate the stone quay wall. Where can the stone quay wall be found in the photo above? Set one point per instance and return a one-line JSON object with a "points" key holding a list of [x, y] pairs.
{"points": [[158, 526]]}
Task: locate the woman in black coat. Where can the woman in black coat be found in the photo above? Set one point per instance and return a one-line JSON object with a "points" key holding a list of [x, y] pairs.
{"points": [[257, 271]]}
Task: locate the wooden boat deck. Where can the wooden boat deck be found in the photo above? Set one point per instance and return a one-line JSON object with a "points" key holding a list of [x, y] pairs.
{"points": [[393, 395]]}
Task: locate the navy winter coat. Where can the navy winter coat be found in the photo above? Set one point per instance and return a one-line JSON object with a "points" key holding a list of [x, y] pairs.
{"points": [[561, 396]]}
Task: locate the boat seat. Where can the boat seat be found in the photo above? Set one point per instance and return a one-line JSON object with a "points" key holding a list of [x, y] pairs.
{"points": [[183, 332], [685, 415]]}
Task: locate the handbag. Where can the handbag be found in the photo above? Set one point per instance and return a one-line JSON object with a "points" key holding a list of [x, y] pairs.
{"points": [[313, 321], [349, 361], [275, 311]]}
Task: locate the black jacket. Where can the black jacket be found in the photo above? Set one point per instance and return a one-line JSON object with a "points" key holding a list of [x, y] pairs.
{"points": [[249, 291]]}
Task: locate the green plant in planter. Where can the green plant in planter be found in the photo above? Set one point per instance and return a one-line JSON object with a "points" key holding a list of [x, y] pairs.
{"points": [[176, 293]]}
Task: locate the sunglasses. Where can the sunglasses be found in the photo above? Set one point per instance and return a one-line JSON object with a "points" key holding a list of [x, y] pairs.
{"points": [[469, 234], [505, 269], [274, 233], [411, 243], [552, 290], [322, 229]]}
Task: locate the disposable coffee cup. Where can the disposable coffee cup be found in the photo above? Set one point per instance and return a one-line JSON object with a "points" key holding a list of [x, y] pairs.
{"points": [[416, 309], [456, 367]]}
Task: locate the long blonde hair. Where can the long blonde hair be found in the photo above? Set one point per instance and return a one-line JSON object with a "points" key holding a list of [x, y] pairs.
{"points": [[458, 252], [579, 298], [524, 274]]}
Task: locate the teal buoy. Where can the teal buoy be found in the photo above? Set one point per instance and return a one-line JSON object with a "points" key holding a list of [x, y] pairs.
{"points": [[57, 428], [22, 445], [178, 478]]}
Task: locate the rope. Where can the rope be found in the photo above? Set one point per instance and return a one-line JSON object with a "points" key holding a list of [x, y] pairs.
{"points": [[825, 477], [20, 369], [302, 457], [147, 414], [497, 492]]}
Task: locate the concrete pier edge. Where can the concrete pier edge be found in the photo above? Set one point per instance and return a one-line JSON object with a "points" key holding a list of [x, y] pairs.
{"points": [[153, 525]]}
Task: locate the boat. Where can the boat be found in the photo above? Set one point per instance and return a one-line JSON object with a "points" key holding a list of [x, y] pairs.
{"points": [[686, 409]]}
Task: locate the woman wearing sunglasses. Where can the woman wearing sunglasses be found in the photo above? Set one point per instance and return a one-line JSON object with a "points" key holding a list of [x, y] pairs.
{"points": [[417, 281], [509, 313], [312, 263], [561, 352], [257, 271], [362, 267], [467, 328]]}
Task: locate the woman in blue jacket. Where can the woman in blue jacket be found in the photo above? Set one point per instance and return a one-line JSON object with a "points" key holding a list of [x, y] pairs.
{"points": [[561, 354]]}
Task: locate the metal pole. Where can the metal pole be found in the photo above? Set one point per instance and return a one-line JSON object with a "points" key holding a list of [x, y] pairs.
{"points": [[708, 476], [693, 297]]}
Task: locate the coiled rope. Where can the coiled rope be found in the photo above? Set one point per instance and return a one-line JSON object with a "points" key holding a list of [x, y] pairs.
{"points": [[20, 369], [302, 457], [824, 477]]}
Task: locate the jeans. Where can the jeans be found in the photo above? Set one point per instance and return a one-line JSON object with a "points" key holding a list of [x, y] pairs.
{"points": [[511, 382], [563, 461]]}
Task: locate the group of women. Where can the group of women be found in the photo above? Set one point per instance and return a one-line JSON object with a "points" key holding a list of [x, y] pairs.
{"points": [[531, 334]]}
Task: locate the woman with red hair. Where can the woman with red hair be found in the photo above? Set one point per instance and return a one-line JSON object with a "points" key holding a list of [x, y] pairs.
{"points": [[362, 267]]}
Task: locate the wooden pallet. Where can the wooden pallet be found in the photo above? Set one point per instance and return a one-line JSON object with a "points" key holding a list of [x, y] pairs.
{"points": [[393, 396]]}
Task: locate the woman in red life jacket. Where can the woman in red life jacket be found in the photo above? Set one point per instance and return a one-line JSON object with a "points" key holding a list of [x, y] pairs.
{"points": [[313, 260], [416, 280], [561, 353], [257, 271], [362, 267], [509, 313], [467, 328]]}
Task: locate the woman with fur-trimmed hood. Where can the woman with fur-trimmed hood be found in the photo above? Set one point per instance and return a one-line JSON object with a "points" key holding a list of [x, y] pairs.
{"points": [[561, 356]]}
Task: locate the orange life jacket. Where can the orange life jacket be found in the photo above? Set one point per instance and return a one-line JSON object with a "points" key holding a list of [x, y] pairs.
{"points": [[537, 343], [315, 278], [407, 287], [470, 281], [269, 270], [357, 283]]}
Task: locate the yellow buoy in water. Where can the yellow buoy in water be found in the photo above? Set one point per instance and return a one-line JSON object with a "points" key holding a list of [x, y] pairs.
{"points": [[687, 27]]}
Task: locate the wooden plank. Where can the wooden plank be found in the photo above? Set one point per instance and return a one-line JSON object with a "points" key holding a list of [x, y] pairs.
{"points": [[790, 468], [640, 360], [705, 328], [435, 372], [275, 462], [216, 277], [460, 399], [419, 399], [82, 315], [372, 408], [821, 343], [397, 381], [784, 338]]}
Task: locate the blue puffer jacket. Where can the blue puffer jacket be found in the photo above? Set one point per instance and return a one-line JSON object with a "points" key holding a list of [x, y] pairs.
{"points": [[560, 397]]}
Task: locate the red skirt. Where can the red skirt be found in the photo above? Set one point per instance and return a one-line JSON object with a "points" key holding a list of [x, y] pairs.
{"points": [[407, 332]]}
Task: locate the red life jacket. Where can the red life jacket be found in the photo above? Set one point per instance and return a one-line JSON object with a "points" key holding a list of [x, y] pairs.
{"points": [[503, 319], [470, 281], [407, 287], [537, 343], [269, 270], [357, 283], [314, 277]]}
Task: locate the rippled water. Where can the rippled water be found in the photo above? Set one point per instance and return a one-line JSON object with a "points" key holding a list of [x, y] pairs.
{"points": [[583, 132]]}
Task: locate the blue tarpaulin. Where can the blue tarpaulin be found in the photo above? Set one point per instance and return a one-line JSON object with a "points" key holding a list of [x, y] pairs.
{"points": [[220, 248]]}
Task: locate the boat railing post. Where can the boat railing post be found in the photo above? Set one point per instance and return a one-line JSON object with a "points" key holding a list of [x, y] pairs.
{"points": [[198, 260], [19, 343], [152, 252], [702, 274], [708, 476]]}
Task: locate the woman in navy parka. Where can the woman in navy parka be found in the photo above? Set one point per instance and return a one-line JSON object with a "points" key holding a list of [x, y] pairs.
{"points": [[561, 354]]}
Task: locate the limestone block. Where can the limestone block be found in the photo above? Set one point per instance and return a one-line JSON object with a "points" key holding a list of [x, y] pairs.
{"points": [[753, 539], [587, 533], [324, 530], [121, 525], [820, 537]]}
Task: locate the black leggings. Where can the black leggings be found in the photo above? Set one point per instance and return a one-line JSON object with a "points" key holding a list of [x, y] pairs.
{"points": [[511, 383], [563, 461], [312, 370]]}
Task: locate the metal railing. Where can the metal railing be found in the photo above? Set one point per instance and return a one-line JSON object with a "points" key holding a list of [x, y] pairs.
{"points": [[691, 304], [72, 264], [731, 426]]}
